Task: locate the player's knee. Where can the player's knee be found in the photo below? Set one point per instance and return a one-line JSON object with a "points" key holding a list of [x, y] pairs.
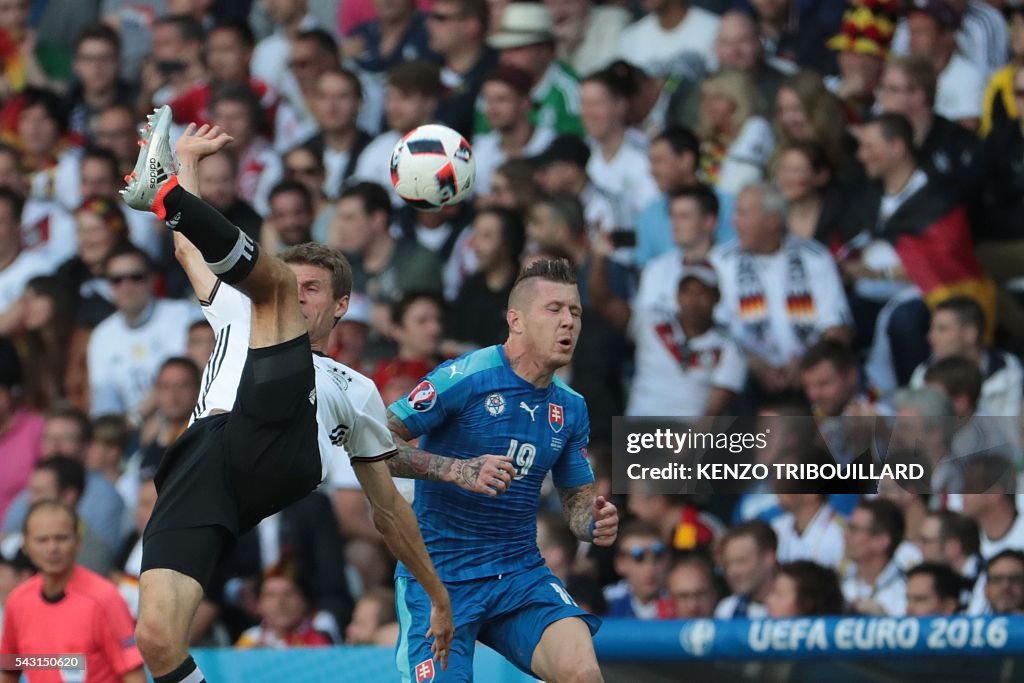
{"points": [[156, 642], [577, 669]]}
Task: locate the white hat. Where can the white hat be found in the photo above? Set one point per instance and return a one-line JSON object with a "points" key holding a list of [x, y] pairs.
{"points": [[522, 24]]}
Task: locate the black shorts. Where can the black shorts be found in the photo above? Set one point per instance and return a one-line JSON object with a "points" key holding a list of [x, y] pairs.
{"points": [[229, 471]]}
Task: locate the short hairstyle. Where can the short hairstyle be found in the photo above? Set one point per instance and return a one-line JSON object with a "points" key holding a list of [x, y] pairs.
{"points": [[475, 9], [348, 75], [289, 569], [194, 373], [818, 591], [50, 505], [773, 202], [636, 528], [112, 429], [549, 270], [707, 200], [50, 101], [513, 232], [1007, 554], [73, 415], [967, 310], [373, 196], [568, 209], [929, 402], [328, 258], [947, 583], [614, 80], [69, 472], [129, 249], [919, 71], [886, 518], [764, 536], [103, 155], [417, 76], [958, 376], [240, 29], [242, 94], [700, 562], [99, 32], [15, 200], [325, 42], [893, 126], [841, 356], [680, 139], [189, 28], [292, 186], [961, 528], [401, 307], [815, 153]]}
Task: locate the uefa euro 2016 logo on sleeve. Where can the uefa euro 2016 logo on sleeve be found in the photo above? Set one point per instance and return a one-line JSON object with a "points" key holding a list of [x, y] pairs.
{"points": [[422, 398], [697, 637]]}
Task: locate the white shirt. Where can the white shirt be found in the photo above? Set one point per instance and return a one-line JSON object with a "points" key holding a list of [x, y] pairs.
{"points": [[674, 375], [1012, 539], [14, 277], [625, 178], [821, 542], [490, 154], [598, 211], [889, 590], [960, 90], [270, 59], [983, 37], [646, 44], [49, 229], [727, 607], [350, 413], [374, 163], [124, 361], [747, 156], [335, 164], [659, 282], [258, 171], [823, 283], [601, 31]]}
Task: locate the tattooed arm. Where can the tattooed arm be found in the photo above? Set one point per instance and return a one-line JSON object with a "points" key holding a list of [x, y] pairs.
{"points": [[489, 474], [589, 515]]}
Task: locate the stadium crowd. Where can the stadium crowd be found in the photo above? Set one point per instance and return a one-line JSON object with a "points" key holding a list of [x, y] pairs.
{"points": [[775, 208]]}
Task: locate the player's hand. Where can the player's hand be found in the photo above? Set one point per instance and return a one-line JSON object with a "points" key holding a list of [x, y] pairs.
{"points": [[195, 144], [488, 474], [606, 522], [442, 629]]}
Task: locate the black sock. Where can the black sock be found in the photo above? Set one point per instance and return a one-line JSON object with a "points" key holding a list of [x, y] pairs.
{"points": [[187, 672], [227, 250]]}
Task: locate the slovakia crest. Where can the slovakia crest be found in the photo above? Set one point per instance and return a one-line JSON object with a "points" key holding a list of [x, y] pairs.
{"points": [[425, 671], [423, 397], [556, 417]]}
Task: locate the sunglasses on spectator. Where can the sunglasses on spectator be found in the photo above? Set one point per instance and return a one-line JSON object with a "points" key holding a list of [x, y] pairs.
{"points": [[653, 552], [136, 277]]}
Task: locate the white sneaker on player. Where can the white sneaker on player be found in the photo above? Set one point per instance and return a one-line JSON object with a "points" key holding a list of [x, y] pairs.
{"points": [[155, 165]]}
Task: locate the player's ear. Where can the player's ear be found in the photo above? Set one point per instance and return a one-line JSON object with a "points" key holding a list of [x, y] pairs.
{"points": [[515, 321], [340, 308]]}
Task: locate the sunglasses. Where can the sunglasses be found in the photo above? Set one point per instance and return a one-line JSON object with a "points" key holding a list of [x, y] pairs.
{"points": [[653, 552], [132, 277]]}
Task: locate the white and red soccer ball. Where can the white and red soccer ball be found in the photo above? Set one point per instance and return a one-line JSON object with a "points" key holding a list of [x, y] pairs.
{"points": [[433, 167]]}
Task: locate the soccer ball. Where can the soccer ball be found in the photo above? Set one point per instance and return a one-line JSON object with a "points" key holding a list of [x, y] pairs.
{"points": [[432, 167]]}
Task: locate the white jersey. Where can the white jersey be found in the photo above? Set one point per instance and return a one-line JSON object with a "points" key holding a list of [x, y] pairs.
{"points": [[350, 413]]}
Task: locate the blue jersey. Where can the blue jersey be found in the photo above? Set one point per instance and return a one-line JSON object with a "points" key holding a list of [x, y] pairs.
{"points": [[476, 405]]}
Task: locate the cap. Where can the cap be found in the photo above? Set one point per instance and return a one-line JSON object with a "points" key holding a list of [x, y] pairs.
{"points": [[567, 147], [10, 364], [513, 77], [522, 24], [702, 271], [940, 10]]}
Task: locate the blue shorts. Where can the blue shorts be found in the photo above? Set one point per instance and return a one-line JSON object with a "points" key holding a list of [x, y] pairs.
{"points": [[508, 613]]}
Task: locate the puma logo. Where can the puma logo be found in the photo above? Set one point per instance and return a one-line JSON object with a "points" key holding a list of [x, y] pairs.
{"points": [[531, 411], [454, 370]]}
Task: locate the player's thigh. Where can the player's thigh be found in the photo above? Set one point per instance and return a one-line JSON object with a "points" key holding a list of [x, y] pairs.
{"points": [[566, 653], [413, 655], [276, 313]]}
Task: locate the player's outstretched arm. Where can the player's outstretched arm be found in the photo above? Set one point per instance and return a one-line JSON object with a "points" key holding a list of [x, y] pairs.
{"points": [[396, 522], [590, 516], [488, 474]]}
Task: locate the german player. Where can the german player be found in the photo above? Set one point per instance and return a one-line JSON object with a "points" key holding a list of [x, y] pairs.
{"points": [[257, 449], [481, 532]]}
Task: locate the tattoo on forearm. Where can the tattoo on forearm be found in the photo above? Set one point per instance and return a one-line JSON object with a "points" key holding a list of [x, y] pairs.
{"points": [[411, 462], [576, 507]]}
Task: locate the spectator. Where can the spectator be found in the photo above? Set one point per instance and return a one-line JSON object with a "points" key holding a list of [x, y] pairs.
{"points": [[62, 606], [691, 584], [40, 130], [217, 177], [1004, 583], [683, 526], [200, 344], [557, 544], [914, 508], [127, 348], [809, 530], [397, 34], [587, 35], [618, 163], [175, 392], [46, 226], [792, 37], [862, 45], [641, 559], [804, 589], [306, 165], [507, 107], [457, 30], [925, 429], [806, 112], [129, 562], [958, 330], [1001, 526], [562, 169], [447, 234], [113, 128], [284, 609], [818, 208], [97, 83], [291, 216], [981, 37], [933, 589], [476, 318], [107, 448], [176, 61], [932, 26], [413, 91], [416, 329], [748, 559], [382, 267], [313, 53], [514, 187], [25, 69], [1000, 103], [526, 40], [271, 57], [339, 142], [47, 323], [952, 539], [18, 265], [21, 430], [736, 142], [873, 583], [669, 29], [374, 621], [779, 294]]}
